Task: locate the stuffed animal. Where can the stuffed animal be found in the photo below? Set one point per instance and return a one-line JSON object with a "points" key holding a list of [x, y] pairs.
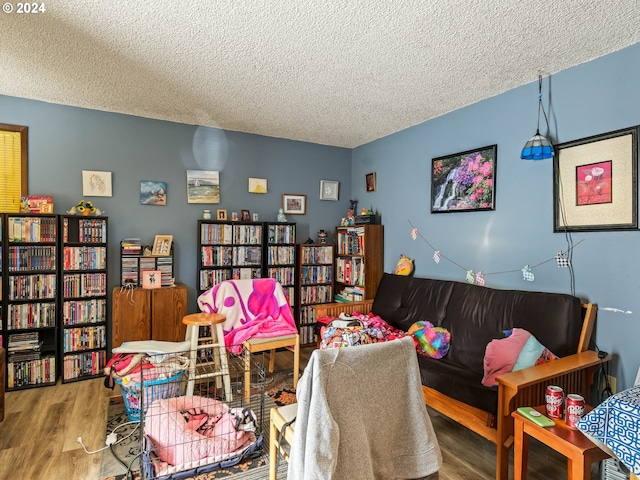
{"points": [[404, 266], [430, 340]]}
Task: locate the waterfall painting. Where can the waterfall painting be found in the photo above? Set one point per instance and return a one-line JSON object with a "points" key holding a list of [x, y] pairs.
{"points": [[465, 181]]}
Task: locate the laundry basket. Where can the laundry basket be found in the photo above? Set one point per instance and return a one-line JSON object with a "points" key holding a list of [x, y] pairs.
{"points": [[153, 390], [166, 384]]}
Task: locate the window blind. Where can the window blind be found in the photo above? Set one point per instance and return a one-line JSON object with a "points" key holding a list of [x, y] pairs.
{"points": [[13, 171]]}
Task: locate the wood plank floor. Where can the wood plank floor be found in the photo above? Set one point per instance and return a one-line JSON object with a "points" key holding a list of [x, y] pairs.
{"points": [[38, 436]]}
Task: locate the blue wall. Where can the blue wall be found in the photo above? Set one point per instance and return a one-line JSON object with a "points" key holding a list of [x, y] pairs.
{"points": [[63, 141], [589, 99]]}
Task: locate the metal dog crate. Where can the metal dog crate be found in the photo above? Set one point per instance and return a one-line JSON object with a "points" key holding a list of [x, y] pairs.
{"points": [[183, 436]]}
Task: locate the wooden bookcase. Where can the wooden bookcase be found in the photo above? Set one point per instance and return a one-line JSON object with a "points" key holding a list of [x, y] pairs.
{"points": [[30, 299], [359, 260], [143, 314], [315, 285], [280, 258], [83, 309]]}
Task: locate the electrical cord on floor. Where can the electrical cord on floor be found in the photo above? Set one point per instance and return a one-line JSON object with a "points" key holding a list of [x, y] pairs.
{"points": [[118, 459], [112, 438]]}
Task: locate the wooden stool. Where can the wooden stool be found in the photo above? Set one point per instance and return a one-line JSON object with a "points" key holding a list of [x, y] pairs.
{"points": [[220, 369], [254, 345], [579, 450]]}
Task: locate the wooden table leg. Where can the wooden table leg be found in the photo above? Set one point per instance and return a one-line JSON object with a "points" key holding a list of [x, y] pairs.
{"points": [[579, 468], [520, 451]]}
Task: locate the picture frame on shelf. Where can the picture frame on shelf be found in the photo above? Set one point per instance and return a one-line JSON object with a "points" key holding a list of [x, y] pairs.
{"points": [[151, 279], [329, 190], [465, 181], [245, 215], [96, 184], [221, 214], [257, 185], [162, 245], [370, 181], [294, 203], [595, 183], [234, 216]]}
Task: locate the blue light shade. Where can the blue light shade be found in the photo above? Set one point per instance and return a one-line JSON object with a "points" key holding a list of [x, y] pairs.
{"points": [[537, 148]]}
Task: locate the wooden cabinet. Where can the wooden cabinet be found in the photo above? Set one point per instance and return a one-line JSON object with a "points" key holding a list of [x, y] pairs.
{"points": [[359, 261], [148, 314]]}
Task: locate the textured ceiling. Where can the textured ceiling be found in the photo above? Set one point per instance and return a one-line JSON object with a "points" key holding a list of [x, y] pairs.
{"points": [[335, 72]]}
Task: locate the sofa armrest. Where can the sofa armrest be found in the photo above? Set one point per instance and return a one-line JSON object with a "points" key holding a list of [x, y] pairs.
{"points": [[335, 309], [540, 373]]}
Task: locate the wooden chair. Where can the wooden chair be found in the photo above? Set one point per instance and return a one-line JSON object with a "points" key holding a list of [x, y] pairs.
{"points": [[255, 345], [220, 368]]}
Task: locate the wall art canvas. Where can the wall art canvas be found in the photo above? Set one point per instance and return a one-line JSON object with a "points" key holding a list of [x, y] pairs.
{"points": [[465, 181], [96, 184], [203, 186], [593, 183], [153, 193]]}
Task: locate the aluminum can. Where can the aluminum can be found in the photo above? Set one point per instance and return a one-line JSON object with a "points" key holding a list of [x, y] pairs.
{"points": [[574, 410], [554, 397]]}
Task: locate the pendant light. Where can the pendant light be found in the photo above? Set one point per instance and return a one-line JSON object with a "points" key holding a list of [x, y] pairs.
{"points": [[538, 147]]}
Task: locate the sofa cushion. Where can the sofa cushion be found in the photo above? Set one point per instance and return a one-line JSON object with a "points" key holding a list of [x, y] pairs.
{"points": [[457, 382]]}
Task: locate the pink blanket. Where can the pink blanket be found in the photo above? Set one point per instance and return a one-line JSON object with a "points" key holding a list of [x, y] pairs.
{"points": [[254, 308]]}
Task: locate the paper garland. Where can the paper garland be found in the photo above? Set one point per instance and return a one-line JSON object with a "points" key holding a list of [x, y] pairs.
{"points": [[561, 258]]}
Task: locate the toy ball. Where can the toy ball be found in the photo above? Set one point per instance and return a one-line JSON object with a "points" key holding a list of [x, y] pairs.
{"points": [[430, 340]]}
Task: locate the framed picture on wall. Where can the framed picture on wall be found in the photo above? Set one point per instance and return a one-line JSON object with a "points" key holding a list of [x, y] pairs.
{"points": [[329, 190], [294, 204], [370, 181], [595, 183], [96, 184], [153, 193], [465, 181]]}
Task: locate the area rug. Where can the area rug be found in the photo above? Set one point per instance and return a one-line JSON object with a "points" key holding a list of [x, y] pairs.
{"points": [[125, 457]]}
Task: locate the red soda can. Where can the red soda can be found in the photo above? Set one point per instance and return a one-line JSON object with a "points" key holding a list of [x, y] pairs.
{"points": [[574, 410], [554, 397]]}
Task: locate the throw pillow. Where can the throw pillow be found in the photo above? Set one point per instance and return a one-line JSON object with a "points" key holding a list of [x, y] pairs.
{"points": [[430, 340], [518, 350]]}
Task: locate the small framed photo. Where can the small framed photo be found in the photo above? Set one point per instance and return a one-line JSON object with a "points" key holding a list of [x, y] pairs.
{"points": [[294, 204], [151, 279], [329, 190], [246, 215], [257, 185], [370, 181], [234, 216], [162, 245], [221, 214]]}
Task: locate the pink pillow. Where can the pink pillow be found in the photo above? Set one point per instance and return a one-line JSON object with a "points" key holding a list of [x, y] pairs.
{"points": [[501, 355]]}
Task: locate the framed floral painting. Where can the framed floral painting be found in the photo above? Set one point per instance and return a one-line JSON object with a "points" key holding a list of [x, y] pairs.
{"points": [[464, 182]]}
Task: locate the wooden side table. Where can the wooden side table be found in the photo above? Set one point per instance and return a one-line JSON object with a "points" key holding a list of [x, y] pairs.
{"points": [[571, 443]]}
